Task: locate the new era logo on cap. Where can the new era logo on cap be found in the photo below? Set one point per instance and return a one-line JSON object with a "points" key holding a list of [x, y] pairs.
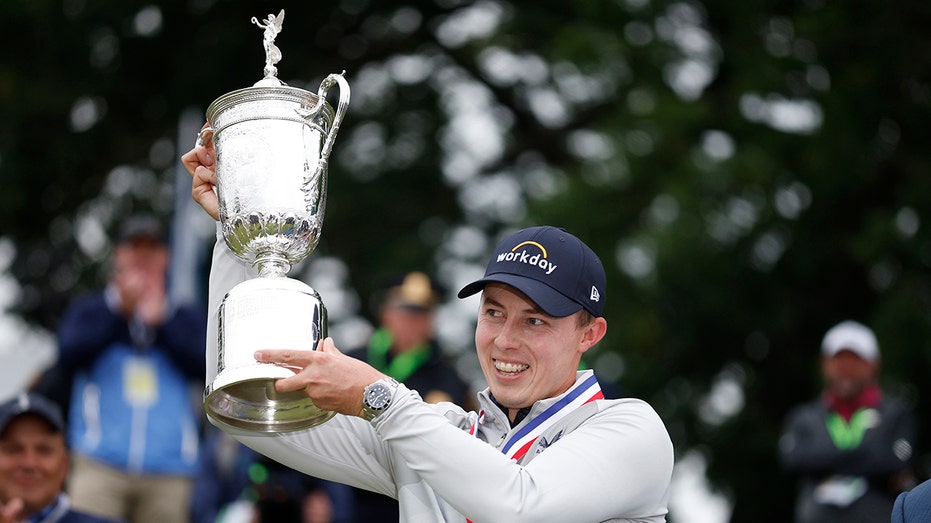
{"points": [[553, 268]]}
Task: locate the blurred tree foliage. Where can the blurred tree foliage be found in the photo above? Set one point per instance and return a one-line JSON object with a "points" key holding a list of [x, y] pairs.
{"points": [[751, 172]]}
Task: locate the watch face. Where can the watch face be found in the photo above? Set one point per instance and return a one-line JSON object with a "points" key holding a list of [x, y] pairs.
{"points": [[378, 396]]}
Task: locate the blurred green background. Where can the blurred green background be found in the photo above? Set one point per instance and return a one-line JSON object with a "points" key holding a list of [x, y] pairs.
{"points": [[751, 173]]}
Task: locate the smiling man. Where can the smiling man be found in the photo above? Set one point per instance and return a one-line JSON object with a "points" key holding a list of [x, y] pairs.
{"points": [[34, 464], [544, 444]]}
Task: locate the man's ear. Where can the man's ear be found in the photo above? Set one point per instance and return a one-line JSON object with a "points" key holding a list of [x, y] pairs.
{"points": [[593, 333]]}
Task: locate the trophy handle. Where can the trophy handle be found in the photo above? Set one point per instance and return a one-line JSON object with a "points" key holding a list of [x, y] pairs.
{"points": [[325, 86], [204, 136]]}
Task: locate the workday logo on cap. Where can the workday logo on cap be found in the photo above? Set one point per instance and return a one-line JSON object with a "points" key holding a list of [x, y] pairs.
{"points": [[518, 255], [553, 268]]}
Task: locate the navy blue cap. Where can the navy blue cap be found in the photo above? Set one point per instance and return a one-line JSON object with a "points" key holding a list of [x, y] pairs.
{"points": [[30, 402], [139, 226], [556, 270]]}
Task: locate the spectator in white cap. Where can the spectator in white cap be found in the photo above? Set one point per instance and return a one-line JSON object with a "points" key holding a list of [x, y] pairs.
{"points": [[850, 362], [852, 447]]}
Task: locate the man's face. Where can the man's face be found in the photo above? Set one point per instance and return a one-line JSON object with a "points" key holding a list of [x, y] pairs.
{"points": [[846, 374], [525, 354], [33, 462], [409, 327]]}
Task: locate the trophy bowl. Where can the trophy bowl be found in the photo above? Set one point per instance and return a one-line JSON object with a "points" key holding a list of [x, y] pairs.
{"points": [[272, 144]]}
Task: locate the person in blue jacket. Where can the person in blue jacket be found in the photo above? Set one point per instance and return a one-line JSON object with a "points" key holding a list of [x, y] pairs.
{"points": [[134, 357], [34, 463]]}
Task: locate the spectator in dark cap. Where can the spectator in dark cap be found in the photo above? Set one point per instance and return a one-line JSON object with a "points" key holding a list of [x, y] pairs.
{"points": [[34, 463], [136, 358]]}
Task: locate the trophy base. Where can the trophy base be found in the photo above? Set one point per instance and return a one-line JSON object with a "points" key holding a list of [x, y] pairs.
{"points": [[254, 405], [264, 313]]}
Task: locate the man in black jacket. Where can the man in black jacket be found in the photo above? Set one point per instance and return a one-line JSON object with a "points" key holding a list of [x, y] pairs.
{"points": [[852, 447]]}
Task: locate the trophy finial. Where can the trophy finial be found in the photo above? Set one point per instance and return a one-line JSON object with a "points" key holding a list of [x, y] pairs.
{"points": [[272, 26]]}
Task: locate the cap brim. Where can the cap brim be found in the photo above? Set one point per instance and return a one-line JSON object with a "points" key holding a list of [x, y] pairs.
{"points": [[543, 296], [861, 352], [54, 421]]}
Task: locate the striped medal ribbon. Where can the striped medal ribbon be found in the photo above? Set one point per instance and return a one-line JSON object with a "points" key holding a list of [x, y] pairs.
{"points": [[580, 393], [521, 441]]}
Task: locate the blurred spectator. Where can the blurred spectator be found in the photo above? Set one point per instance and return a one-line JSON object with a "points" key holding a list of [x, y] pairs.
{"points": [[284, 494], [34, 463], [404, 347], [134, 357], [913, 506], [852, 447], [238, 485], [404, 344]]}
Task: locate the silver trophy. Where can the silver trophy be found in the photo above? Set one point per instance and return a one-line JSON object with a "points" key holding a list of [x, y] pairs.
{"points": [[272, 145]]}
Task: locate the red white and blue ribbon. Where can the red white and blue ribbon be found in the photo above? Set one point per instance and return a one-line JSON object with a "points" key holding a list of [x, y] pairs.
{"points": [[473, 431], [581, 393], [521, 441]]}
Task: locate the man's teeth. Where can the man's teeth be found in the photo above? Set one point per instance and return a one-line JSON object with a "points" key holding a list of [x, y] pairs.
{"points": [[510, 367]]}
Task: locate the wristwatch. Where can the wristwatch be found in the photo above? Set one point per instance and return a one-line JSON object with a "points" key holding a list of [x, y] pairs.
{"points": [[377, 397]]}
